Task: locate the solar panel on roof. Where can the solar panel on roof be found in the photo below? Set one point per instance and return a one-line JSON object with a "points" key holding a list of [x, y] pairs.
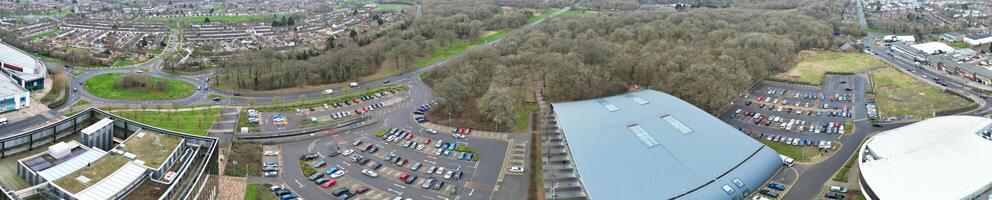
{"points": [[41, 166], [609, 106]]}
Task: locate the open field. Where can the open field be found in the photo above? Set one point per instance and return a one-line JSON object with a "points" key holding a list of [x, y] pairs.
{"points": [[394, 6], [103, 86], [124, 62], [541, 15], [814, 64], [196, 122], [801, 154], [898, 94]]}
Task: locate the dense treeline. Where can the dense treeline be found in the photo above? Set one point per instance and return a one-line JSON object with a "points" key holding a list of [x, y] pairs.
{"points": [[442, 25], [705, 56]]}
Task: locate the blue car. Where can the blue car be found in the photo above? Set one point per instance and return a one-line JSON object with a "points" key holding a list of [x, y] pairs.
{"points": [[776, 186], [288, 197], [331, 170], [452, 146]]}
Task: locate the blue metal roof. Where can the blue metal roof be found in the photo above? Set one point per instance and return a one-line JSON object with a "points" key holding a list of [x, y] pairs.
{"points": [[695, 156]]}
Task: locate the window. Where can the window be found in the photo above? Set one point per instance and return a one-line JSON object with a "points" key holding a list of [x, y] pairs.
{"points": [[738, 182], [643, 136], [728, 189], [636, 99], [609, 106], [677, 124]]}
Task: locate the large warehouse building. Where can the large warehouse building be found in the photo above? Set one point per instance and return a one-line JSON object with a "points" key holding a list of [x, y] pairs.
{"points": [[980, 39], [22, 67], [651, 145], [938, 158]]}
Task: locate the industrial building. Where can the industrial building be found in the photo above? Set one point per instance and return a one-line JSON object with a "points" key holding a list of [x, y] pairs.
{"points": [[980, 39], [12, 95], [933, 48], [23, 68], [938, 158], [94, 155], [652, 145]]}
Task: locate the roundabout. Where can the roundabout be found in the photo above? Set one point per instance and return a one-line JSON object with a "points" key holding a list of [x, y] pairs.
{"points": [[137, 87]]}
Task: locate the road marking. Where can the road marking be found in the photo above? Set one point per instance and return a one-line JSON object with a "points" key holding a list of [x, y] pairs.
{"points": [[471, 191], [398, 185], [394, 191], [428, 197], [298, 183]]}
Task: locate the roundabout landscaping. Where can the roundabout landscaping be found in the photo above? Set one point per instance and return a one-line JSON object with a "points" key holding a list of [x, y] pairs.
{"points": [[136, 87]]}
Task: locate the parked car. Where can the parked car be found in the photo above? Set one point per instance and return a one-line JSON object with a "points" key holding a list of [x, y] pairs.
{"points": [[370, 173], [776, 186], [834, 195], [839, 189], [768, 193]]}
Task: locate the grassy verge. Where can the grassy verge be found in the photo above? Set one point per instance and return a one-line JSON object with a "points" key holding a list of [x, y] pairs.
{"points": [[459, 46], [813, 65], [801, 154], [246, 159], [898, 94], [841, 175], [423, 75], [81, 102], [104, 86], [381, 133], [332, 99], [577, 12], [55, 98], [307, 169], [541, 15], [196, 122], [251, 192], [464, 148], [849, 127], [212, 96], [243, 122], [523, 116], [124, 62]]}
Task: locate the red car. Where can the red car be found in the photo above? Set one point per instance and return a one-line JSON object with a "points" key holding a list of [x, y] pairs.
{"points": [[361, 189], [403, 176], [329, 183], [427, 141], [356, 100], [367, 147], [409, 137], [357, 111]]}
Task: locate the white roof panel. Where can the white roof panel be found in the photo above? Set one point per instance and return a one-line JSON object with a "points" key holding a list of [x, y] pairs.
{"points": [[10, 55], [113, 184], [940, 154], [73, 165], [97, 126]]}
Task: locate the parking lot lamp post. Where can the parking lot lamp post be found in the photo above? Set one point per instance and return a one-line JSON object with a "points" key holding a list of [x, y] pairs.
{"points": [[449, 118]]}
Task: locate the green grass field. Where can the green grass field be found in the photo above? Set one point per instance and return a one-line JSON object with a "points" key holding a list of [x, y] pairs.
{"points": [[578, 12], [103, 86], [801, 154], [44, 34], [196, 122], [813, 65], [898, 94], [459, 46], [251, 192], [958, 44], [383, 6]]}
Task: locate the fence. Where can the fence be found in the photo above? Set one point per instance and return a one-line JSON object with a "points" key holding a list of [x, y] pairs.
{"points": [[356, 120]]}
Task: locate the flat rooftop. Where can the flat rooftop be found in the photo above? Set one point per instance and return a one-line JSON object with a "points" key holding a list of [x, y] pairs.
{"points": [[95, 172], [660, 146], [8, 87], [151, 147], [12, 56], [944, 154]]}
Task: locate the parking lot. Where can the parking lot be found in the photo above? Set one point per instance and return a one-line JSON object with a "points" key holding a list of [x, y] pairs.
{"points": [[798, 115], [302, 117]]}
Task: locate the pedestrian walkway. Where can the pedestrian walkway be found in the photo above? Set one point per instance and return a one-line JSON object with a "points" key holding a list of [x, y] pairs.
{"points": [[232, 188], [474, 134]]}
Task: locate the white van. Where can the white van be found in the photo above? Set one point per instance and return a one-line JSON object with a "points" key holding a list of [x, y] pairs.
{"points": [[3, 121], [353, 84], [329, 91]]}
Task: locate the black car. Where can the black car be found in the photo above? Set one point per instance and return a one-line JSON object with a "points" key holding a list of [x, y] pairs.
{"points": [[310, 157], [333, 153], [316, 176], [339, 191], [410, 179], [237, 94], [769, 193], [376, 165]]}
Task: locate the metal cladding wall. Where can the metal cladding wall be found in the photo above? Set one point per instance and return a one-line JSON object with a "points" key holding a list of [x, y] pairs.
{"points": [[176, 153], [102, 138], [753, 172], [29, 175]]}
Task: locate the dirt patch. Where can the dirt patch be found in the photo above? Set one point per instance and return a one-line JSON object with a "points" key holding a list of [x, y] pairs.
{"points": [[468, 119], [147, 190], [244, 159]]}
